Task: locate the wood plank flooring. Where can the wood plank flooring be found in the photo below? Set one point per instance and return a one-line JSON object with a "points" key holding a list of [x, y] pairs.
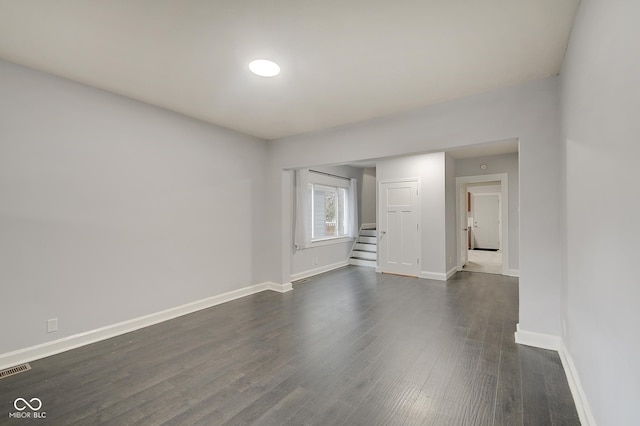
{"points": [[349, 347]]}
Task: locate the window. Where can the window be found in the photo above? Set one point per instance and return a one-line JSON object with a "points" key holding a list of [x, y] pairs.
{"points": [[326, 209], [328, 212]]}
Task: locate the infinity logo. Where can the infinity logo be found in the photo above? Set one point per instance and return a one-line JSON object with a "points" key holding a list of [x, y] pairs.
{"points": [[35, 407]]}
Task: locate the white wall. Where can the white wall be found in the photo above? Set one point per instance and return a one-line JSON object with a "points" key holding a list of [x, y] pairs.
{"points": [[112, 209], [320, 258], [450, 212], [601, 102], [507, 163], [368, 210], [430, 170], [529, 112]]}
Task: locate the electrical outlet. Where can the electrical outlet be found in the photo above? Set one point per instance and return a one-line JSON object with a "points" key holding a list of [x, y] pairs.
{"points": [[52, 325]]}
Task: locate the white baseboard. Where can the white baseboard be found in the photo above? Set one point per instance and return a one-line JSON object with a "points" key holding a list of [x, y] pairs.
{"points": [[320, 270], [548, 341], [43, 350], [538, 340], [513, 272], [280, 288], [368, 226], [451, 272], [433, 275], [579, 397]]}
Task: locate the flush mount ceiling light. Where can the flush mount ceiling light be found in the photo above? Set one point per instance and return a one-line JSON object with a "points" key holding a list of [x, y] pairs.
{"points": [[264, 68]]}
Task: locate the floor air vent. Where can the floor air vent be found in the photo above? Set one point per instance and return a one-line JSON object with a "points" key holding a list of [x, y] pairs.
{"points": [[14, 370]]}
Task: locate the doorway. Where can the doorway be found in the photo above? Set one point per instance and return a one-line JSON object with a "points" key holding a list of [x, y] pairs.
{"points": [[482, 219], [484, 228]]}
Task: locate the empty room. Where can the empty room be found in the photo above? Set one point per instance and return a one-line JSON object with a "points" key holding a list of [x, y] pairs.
{"points": [[331, 213]]}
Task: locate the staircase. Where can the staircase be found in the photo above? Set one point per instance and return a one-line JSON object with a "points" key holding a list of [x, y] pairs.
{"points": [[365, 249]]}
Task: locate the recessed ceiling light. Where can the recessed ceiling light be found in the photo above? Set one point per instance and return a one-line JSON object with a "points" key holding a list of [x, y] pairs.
{"points": [[264, 68]]}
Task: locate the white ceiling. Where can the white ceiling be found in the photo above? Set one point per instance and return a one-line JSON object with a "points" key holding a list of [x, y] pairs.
{"points": [[342, 61]]}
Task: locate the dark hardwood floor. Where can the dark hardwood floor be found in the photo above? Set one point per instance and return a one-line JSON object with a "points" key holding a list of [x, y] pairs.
{"points": [[347, 347]]}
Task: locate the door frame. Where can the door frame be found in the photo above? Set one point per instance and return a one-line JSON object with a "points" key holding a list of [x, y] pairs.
{"points": [[379, 208], [461, 214]]}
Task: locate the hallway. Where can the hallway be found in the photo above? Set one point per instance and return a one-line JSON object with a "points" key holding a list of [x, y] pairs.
{"points": [[488, 262]]}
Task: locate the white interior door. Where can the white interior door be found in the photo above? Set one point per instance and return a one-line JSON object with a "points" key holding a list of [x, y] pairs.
{"points": [[398, 230], [486, 221]]}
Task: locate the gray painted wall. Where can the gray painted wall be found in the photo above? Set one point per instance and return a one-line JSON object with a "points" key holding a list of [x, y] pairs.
{"points": [[529, 112], [508, 164], [450, 212], [368, 210], [601, 102], [112, 209]]}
